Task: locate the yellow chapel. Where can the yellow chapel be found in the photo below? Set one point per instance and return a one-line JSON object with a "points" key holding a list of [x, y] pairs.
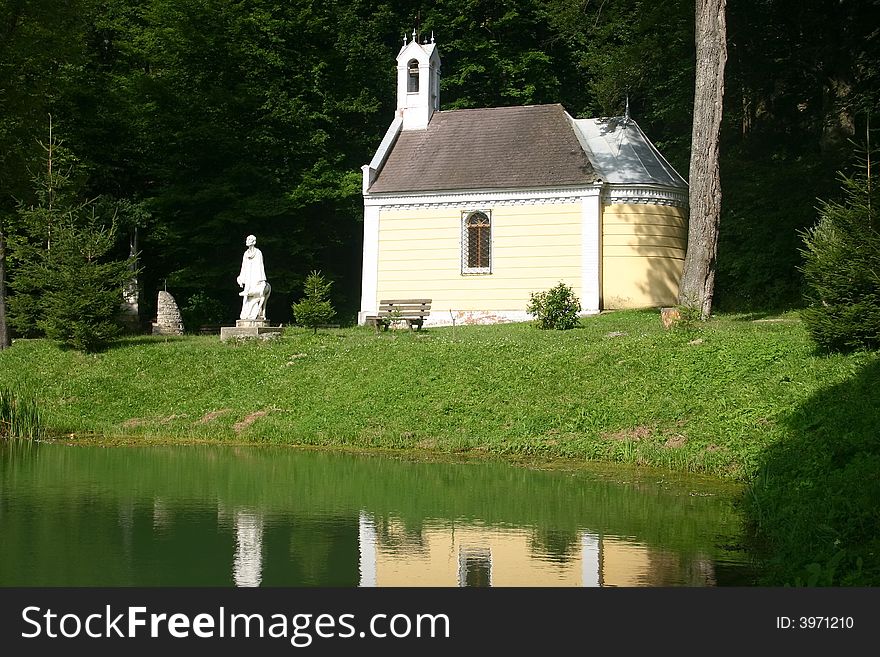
{"points": [[477, 209]]}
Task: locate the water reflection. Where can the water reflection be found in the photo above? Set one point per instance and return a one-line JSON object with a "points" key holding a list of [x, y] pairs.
{"points": [[473, 555], [247, 565], [366, 550], [213, 516]]}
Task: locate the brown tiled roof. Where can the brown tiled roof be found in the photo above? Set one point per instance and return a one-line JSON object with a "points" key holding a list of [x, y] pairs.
{"points": [[503, 147]]}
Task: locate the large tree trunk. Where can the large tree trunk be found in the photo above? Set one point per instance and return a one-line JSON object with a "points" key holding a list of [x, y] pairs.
{"points": [[4, 330], [698, 278]]}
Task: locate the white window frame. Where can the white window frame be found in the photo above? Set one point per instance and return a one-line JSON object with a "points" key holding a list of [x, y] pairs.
{"points": [[413, 80], [465, 554], [465, 243]]}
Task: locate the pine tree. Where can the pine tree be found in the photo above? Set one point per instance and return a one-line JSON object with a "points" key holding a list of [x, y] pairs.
{"points": [[314, 309], [842, 269], [66, 282]]}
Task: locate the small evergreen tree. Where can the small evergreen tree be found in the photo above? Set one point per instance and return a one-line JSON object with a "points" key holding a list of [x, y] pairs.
{"points": [[66, 282], [314, 309], [557, 308], [841, 268], [83, 287]]}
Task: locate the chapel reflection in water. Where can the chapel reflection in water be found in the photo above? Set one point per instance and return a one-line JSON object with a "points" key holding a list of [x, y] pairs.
{"points": [[447, 554], [87, 516], [454, 554]]}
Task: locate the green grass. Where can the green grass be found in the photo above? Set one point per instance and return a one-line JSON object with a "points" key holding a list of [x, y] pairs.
{"points": [[19, 415], [735, 398], [815, 502], [621, 388]]}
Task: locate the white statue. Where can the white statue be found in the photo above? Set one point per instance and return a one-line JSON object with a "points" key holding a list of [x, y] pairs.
{"points": [[252, 280]]}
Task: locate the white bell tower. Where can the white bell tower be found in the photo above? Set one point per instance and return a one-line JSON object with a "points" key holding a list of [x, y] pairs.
{"points": [[418, 82]]}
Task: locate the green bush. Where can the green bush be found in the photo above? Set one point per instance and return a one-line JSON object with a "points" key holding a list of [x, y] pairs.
{"points": [[314, 309], [556, 308], [842, 270], [201, 310]]}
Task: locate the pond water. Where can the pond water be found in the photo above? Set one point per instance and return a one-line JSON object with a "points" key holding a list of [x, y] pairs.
{"points": [[261, 516]]}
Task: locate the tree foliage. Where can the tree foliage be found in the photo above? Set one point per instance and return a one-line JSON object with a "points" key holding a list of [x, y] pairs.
{"points": [[201, 310], [212, 120], [40, 43], [67, 282], [315, 308], [842, 269], [82, 284], [241, 118], [788, 125]]}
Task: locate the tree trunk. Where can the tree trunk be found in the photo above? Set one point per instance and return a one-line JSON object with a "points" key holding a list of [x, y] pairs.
{"points": [[4, 330], [698, 278]]}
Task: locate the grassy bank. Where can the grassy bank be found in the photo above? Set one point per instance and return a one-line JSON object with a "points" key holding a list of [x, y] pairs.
{"points": [[740, 397]]}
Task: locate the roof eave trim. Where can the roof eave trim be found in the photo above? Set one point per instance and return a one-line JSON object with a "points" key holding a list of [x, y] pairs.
{"points": [[650, 194], [371, 170], [557, 194]]}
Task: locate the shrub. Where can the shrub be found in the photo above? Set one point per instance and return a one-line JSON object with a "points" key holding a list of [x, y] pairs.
{"points": [[314, 309], [690, 316], [556, 308], [842, 270], [201, 310]]}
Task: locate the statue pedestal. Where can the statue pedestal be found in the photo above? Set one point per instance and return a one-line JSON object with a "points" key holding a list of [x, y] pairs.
{"points": [[249, 328]]}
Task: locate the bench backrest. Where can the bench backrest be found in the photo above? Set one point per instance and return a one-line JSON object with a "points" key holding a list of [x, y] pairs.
{"points": [[421, 307]]}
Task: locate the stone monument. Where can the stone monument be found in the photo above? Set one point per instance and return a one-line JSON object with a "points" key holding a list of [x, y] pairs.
{"points": [[255, 290], [168, 319]]}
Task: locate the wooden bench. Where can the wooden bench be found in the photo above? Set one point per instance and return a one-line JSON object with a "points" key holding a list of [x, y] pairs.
{"points": [[412, 311]]}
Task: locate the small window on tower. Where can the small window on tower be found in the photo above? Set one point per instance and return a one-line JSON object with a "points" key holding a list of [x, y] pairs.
{"points": [[412, 84], [476, 244], [474, 567]]}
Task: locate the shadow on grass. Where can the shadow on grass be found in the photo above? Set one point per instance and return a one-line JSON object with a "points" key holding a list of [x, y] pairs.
{"points": [[139, 340], [815, 504], [757, 316]]}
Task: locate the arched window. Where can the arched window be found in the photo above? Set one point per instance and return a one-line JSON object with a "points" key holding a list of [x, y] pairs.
{"points": [[412, 76], [477, 243]]}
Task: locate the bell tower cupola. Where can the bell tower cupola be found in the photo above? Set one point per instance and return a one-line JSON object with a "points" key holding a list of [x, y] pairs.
{"points": [[418, 82]]}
